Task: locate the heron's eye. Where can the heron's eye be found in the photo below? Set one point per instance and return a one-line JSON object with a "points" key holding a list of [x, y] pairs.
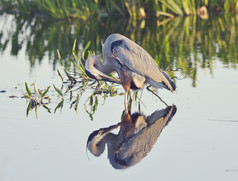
{"points": [[96, 66], [98, 77], [99, 144]]}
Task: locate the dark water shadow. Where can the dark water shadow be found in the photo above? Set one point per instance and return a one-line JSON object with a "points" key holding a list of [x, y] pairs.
{"points": [[135, 139]]}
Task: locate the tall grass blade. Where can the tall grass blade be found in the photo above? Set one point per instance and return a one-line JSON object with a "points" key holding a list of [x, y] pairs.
{"points": [[28, 108], [36, 112], [45, 92], [51, 6], [59, 56], [58, 91], [76, 103], [59, 74], [27, 89], [35, 86], [74, 51], [60, 105], [48, 109], [84, 50], [72, 79], [74, 45]]}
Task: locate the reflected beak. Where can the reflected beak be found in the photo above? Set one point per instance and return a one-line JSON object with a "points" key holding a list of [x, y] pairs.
{"points": [[109, 129]]}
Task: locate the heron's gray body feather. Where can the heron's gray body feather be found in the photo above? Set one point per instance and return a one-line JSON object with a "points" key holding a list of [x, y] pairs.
{"points": [[136, 61]]}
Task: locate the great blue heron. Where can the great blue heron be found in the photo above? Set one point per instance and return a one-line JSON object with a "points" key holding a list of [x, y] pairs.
{"points": [[135, 139], [134, 66]]}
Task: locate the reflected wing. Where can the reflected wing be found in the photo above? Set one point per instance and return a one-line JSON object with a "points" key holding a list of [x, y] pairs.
{"points": [[137, 146]]}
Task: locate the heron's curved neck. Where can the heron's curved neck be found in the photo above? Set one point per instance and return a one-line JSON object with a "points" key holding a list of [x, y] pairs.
{"points": [[95, 62], [106, 69]]}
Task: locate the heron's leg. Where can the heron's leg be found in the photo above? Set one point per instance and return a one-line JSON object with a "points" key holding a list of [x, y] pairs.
{"points": [[125, 102], [131, 95], [148, 88], [131, 100]]}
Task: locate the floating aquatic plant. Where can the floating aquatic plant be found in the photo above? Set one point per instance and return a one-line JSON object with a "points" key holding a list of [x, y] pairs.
{"points": [[36, 98], [77, 81], [74, 83]]}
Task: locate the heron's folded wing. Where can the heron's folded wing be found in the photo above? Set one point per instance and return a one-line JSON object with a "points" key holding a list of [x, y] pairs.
{"points": [[138, 60]]}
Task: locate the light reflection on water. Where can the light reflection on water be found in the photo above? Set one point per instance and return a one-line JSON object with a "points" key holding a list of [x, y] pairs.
{"points": [[199, 144]]}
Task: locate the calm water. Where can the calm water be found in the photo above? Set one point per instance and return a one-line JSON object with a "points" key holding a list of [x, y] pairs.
{"points": [[196, 142]]}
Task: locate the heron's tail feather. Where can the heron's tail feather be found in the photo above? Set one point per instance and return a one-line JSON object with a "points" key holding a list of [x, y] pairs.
{"points": [[169, 83]]}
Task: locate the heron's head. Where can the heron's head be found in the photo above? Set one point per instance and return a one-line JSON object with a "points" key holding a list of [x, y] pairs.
{"points": [[95, 143], [97, 139], [91, 67], [95, 69]]}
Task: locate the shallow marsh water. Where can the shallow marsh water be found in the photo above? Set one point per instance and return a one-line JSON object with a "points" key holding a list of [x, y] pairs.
{"points": [[199, 143]]}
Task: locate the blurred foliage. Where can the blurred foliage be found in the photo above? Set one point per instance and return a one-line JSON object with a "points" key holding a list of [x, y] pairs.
{"points": [[186, 43], [74, 84], [193, 7], [181, 43], [136, 9]]}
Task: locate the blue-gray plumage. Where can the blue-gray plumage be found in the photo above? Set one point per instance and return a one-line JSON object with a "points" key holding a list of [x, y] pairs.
{"points": [[135, 139], [135, 67]]}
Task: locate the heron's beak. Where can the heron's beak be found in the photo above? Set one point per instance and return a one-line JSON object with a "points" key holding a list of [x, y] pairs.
{"points": [[105, 77], [101, 133]]}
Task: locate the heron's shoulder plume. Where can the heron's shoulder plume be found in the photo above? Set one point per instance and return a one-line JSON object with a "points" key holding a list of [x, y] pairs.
{"points": [[119, 43]]}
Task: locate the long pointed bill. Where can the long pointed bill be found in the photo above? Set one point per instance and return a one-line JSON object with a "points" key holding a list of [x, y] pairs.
{"points": [[105, 77]]}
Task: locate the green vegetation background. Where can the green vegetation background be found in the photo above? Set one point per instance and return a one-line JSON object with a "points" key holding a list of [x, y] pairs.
{"points": [[188, 34], [83, 9]]}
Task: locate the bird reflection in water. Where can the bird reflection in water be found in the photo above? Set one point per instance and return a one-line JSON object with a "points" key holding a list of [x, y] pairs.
{"points": [[135, 139]]}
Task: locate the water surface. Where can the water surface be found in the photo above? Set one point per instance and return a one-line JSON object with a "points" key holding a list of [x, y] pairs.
{"points": [[199, 143]]}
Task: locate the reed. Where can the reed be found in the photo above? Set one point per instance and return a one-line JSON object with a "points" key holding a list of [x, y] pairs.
{"points": [[136, 9], [74, 83], [185, 42], [36, 98]]}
